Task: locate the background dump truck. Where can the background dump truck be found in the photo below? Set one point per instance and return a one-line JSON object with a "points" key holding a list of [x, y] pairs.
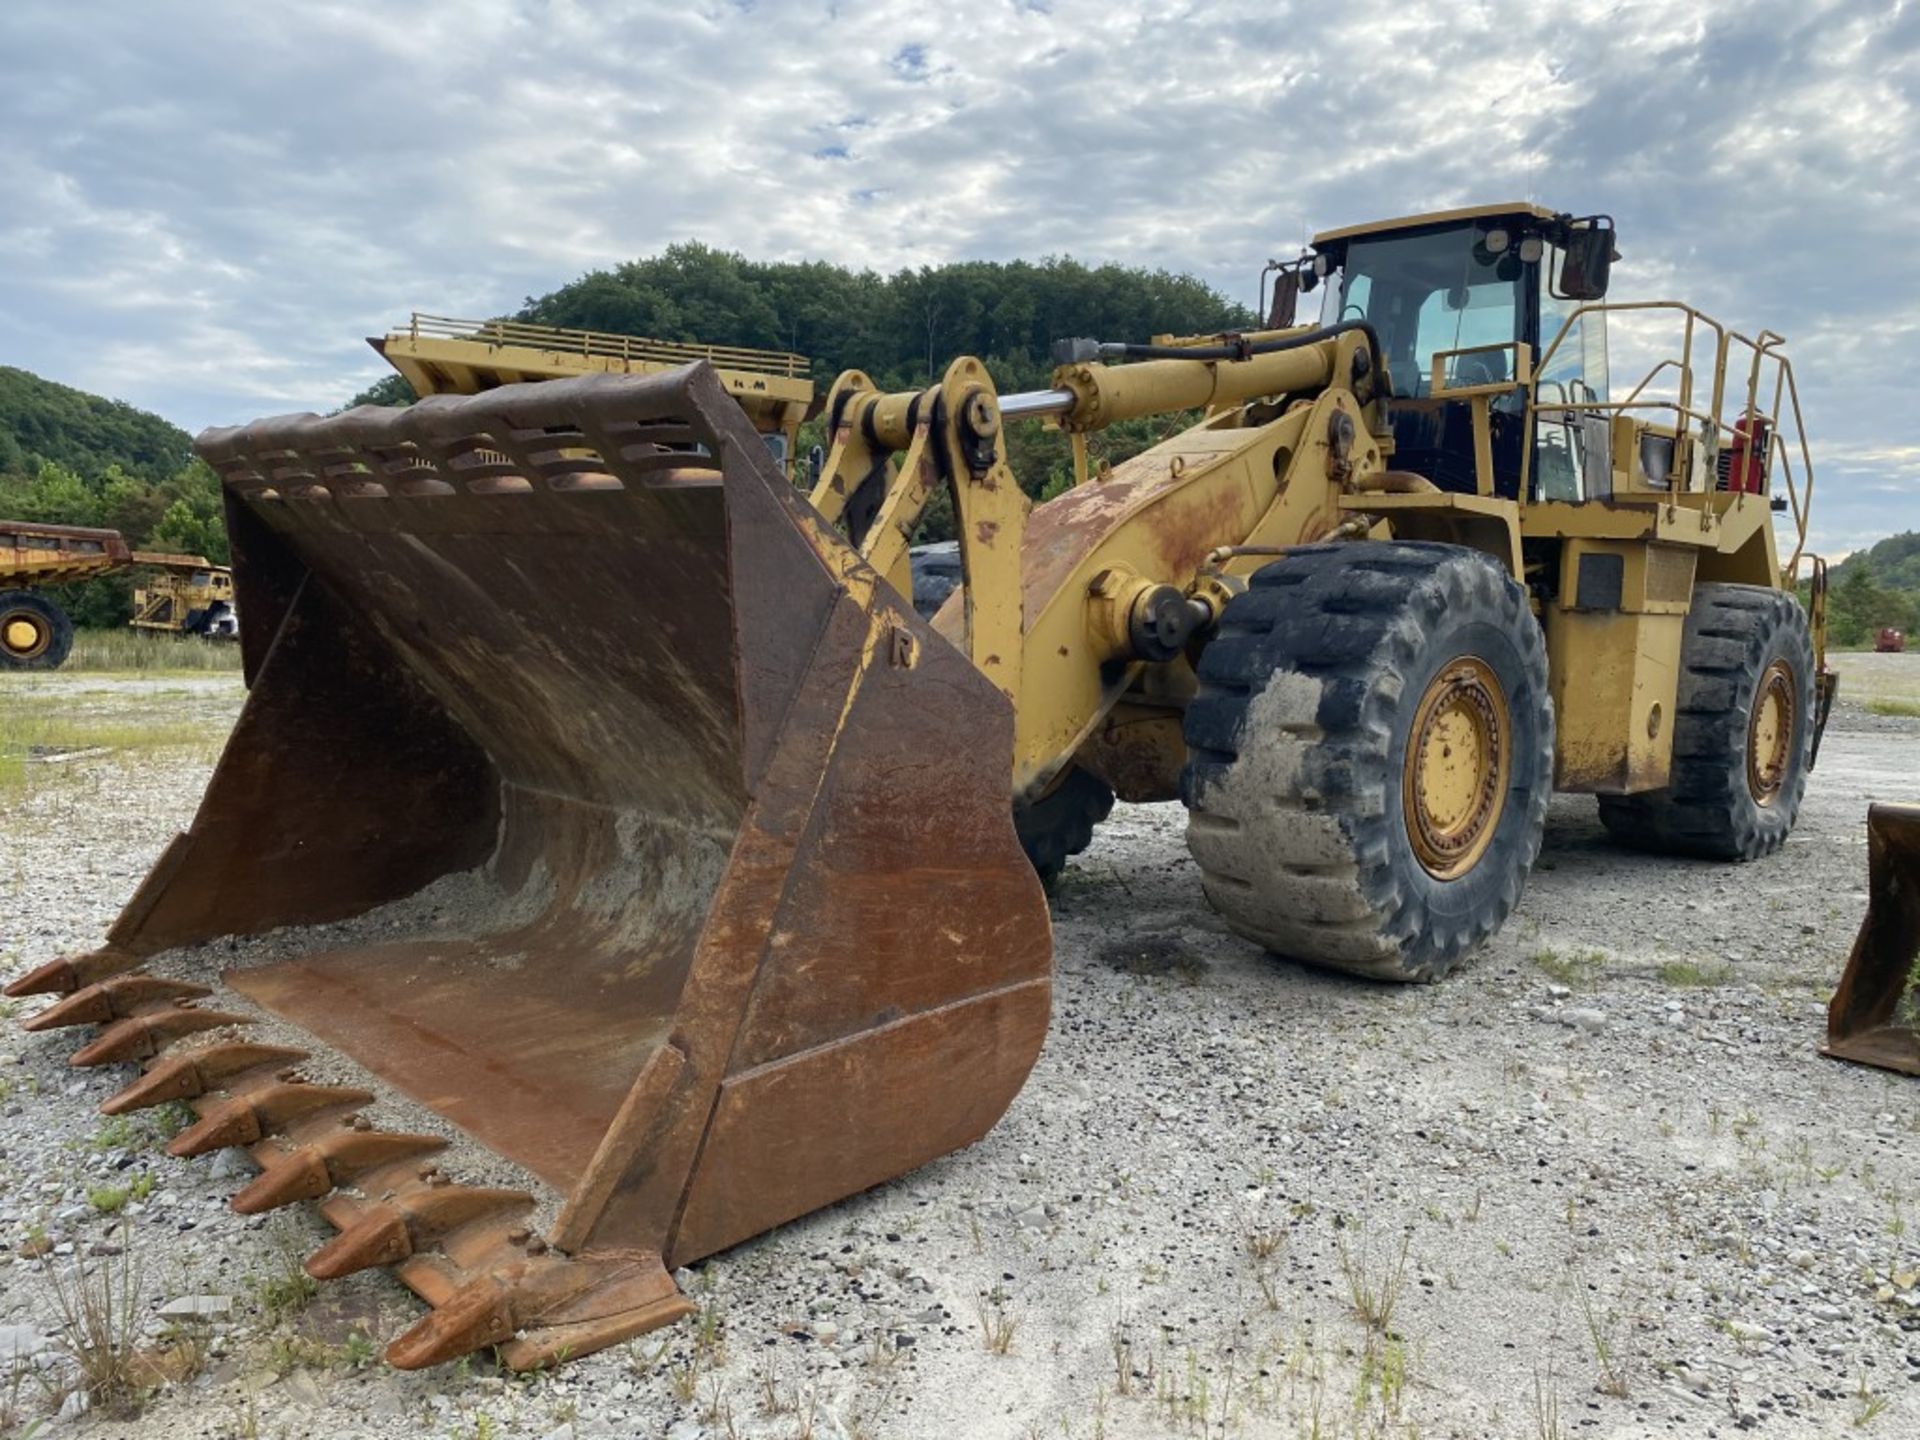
{"points": [[181, 595], [609, 797]]}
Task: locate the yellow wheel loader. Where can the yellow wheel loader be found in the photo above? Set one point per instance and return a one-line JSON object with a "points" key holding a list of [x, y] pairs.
{"points": [[611, 806]]}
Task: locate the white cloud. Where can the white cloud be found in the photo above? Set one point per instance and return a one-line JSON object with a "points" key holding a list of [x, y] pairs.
{"points": [[209, 213]]}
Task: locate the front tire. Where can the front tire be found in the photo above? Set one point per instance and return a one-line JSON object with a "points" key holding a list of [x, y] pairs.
{"points": [[35, 633], [1060, 824], [1742, 732], [1370, 756]]}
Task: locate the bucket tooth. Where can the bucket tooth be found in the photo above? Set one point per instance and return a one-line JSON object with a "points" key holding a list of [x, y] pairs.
{"points": [[73, 972], [379, 1237], [541, 1346], [308, 1172], [478, 1314], [398, 1228], [141, 1037], [542, 1308], [243, 1119], [114, 999], [188, 1076], [587, 1304]]}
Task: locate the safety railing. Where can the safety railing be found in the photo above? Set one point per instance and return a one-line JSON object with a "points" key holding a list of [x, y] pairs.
{"points": [[1754, 434], [605, 345]]}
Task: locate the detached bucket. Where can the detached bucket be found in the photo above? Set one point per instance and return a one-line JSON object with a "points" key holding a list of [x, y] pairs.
{"points": [[1875, 1014], [747, 927]]}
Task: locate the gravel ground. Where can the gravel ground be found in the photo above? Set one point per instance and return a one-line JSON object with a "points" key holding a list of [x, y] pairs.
{"points": [[1598, 1183]]}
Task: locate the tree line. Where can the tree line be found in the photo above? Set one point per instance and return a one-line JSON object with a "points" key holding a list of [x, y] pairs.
{"points": [[1874, 590], [902, 329], [74, 458]]}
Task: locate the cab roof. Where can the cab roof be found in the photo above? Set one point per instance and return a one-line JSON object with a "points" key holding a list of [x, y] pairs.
{"points": [[1433, 217]]}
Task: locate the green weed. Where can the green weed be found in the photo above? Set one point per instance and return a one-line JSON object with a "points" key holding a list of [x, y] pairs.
{"points": [[1374, 1283], [1692, 975], [108, 1199], [1575, 969]]}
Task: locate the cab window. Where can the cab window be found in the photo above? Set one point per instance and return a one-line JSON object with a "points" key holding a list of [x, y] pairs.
{"points": [[1424, 294]]}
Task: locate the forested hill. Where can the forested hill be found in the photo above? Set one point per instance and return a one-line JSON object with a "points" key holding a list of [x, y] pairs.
{"points": [[902, 329], [1876, 587], [41, 421], [1894, 561], [71, 458]]}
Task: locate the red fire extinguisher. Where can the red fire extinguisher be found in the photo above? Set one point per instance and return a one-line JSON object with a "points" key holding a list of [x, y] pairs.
{"points": [[1747, 455]]}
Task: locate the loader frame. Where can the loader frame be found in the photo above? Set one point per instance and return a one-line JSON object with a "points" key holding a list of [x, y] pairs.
{"points": [[1293, 448]]}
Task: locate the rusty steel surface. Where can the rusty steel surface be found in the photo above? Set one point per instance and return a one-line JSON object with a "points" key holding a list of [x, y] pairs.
{"points": [[22, 533], [35, 554], [749, 927], [1874, 1017]]}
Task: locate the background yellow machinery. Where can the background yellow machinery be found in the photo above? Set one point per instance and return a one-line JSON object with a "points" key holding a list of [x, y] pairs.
{"points": [[439, 355], [181, 594], [738, 919]]}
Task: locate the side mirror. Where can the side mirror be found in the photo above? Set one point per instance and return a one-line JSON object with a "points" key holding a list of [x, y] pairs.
{"points": [[1286, 298], [1588, 260]]}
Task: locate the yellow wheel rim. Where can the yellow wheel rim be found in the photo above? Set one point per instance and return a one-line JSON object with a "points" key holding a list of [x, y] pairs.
{"points": [[24, 636], [1770, 732], [1455, 774]]}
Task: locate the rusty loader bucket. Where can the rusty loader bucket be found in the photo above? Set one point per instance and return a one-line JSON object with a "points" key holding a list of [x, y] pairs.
{"points": [[594, 802], [1875, 1014]]}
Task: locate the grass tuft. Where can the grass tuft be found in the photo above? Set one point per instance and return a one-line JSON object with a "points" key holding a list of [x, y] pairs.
{"points": [[284, 1288], [108, 1199], [1374, 1284], [1575, 969], [1692, 975], [136, 651], [97, 1314], [997, 1324], [1609, 1333]]}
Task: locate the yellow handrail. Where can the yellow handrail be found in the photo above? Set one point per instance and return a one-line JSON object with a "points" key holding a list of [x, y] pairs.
{"points": [[606, 344], [1765, 348]]}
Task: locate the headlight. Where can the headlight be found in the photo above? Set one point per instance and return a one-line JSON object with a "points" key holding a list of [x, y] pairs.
{"points": [[1497, 242], [1321, 266], [1530, 248]]}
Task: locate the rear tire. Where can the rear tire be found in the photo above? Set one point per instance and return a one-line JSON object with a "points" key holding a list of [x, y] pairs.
{"points": [[35, 633], [1060, 824], [1370, 756], [1742, 729], [937, 573]]}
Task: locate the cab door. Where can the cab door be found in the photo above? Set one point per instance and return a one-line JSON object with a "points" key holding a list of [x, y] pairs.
{"points": [[1570, 459]]}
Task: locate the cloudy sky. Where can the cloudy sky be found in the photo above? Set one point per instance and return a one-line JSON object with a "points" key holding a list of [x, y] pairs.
{"points": [[205, 204]]}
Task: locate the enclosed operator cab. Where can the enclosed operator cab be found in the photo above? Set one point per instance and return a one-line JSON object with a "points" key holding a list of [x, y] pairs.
{"points": [[1481, 290], [1615, 499]]}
